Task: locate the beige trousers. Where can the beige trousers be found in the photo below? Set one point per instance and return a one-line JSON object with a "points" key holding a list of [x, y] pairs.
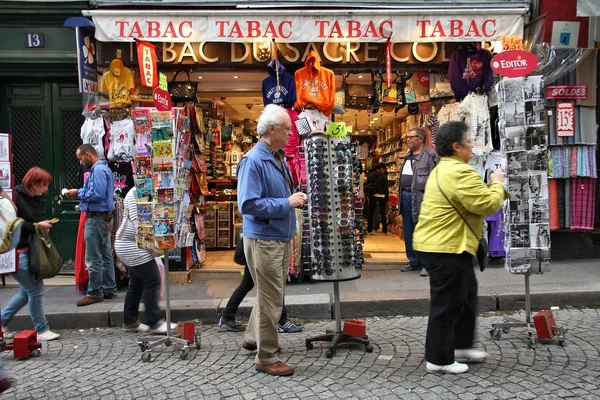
{"points": [[268, 262]]}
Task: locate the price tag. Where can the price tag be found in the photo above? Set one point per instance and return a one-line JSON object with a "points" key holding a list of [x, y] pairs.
{"points": [[337, 129], [512, 43]]}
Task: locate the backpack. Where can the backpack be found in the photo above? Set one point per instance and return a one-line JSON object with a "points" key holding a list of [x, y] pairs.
{"points": [[10, 226]]}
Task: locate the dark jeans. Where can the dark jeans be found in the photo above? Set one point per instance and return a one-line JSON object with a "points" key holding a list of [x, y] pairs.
{"points": [[240, 293], [453, 305], [408, 227], [144, 280], [373, 202]]}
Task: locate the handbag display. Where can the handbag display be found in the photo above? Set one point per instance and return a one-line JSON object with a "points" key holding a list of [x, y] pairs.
{"points": [[184, 90], [483, 248], [44, 260]]}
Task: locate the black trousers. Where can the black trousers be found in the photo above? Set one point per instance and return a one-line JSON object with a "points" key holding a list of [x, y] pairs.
{"points": [[453, 305], [373, 202], [240, 293]]}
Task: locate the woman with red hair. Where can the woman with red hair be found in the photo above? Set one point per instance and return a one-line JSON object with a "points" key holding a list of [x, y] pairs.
{"points": [[28, 199]]}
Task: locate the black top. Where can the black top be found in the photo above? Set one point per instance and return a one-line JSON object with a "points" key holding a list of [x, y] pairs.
{"points": [[379, 183], [29, 208]]}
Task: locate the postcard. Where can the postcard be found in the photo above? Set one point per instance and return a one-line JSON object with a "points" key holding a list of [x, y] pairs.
{"points": [[144, 213], [143, 189]]}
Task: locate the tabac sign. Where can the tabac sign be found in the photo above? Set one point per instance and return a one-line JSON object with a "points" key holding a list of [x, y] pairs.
{"points": [[304, 26]]}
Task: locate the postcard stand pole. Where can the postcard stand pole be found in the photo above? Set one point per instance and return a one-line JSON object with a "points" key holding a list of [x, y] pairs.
{"points": [[147, 343], [508, 322]]}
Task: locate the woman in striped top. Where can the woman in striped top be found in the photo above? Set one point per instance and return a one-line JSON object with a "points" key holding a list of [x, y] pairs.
{"points": [[144, 277]]}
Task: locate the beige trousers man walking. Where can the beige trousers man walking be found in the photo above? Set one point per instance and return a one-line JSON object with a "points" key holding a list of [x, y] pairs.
{"points": [[268, 263]]}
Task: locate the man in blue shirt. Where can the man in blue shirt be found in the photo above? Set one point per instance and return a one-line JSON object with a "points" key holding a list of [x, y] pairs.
{"points": [[267, 200], [96, 200]]}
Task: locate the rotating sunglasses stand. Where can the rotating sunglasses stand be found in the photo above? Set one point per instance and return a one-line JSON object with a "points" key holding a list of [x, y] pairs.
{"points": [[334, 224]]}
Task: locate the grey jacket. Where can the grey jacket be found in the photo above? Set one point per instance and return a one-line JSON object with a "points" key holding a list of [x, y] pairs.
{"points": [[423, 164]]}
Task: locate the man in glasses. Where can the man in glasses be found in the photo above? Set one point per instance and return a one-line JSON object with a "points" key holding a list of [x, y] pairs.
{"points": [[417, 166], [267, 200]]}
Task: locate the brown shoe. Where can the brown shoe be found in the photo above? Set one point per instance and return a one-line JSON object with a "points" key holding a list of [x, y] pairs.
{"points": [[252, 347], [87, 300], [249, 346], [278, 369]]}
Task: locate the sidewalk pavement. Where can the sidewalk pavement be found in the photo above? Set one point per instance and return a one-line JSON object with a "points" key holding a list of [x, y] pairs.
{"points": [[376, 294]]}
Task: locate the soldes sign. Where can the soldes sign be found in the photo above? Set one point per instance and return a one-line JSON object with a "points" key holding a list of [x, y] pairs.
{"points": [[514, 63], [162, 100], [578, 92]]}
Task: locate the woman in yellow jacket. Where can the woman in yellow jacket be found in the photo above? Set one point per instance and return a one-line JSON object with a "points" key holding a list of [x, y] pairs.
{"points": [[446, 246]]}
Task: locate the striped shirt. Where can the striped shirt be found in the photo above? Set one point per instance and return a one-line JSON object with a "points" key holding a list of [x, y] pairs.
{"points": [[126, 245]]}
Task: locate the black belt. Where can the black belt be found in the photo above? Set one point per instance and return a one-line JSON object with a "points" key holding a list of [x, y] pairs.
{"points": [[406, 189], [96, 213]]}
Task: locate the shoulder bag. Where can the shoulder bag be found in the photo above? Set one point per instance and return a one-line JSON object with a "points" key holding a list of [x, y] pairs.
{"points": [[482, 250], [44, 260]]}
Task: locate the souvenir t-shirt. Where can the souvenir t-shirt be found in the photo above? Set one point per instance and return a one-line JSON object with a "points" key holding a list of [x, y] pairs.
{"points": [[122, 141], [123, 174], [92, 133], [118, 87]]}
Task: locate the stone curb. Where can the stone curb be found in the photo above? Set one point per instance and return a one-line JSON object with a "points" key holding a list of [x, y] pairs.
{"points": [[309, 306]]}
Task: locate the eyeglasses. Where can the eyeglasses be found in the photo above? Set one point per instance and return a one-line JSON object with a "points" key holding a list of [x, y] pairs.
{"points": [[320, 224], [408, 137]]}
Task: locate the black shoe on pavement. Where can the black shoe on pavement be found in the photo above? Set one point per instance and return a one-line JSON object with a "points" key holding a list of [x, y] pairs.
{"points": [[110, 296], [230, 325], [410, 267], [289, 327]]}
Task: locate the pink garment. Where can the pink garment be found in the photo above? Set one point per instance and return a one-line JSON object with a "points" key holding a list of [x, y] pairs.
{"points": [[292, 147], [161, 272]]}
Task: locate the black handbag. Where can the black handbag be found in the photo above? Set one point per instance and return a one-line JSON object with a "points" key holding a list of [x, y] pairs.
{"points": [[239, 257], [483, 249], [182, 91]]}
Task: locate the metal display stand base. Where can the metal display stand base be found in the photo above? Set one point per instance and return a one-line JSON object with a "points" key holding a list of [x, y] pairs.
{"points": [[532, 339], [338, 337], [147, 343]]}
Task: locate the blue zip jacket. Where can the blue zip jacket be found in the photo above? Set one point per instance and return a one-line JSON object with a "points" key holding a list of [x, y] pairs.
{"points": [[263, 196], [97, 193], [285, 95]]}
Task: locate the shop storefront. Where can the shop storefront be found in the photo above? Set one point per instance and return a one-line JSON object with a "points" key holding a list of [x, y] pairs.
{"points": [[226, 53]]}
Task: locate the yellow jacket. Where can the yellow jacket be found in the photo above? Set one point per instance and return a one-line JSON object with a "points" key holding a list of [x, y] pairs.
{"points": [[440, 228]]}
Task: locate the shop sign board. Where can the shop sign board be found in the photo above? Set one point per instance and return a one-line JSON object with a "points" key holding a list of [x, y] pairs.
{"points": [[87, 63], [576, 92], [162, 99], [123, 26], [514, 63], [565, 119]]}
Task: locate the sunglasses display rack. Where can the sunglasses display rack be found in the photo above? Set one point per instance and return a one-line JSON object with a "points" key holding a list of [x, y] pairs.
{"points": [[335, 251], [336, 254]]}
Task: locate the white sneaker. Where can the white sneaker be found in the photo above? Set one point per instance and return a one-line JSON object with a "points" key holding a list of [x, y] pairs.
{"points": [[470, 354], [455, 368], [139, 328], [48, 335], [162, 328], [7, 334]]}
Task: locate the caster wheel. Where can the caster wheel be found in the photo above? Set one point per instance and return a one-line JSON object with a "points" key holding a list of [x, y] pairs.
{"points": [[369, 348], [36, 353], [532, 342], [495, 334], [329, 353], [561, 340], [309, 346], [146, 356], [506, 329], [184, 353], [197, 341]]}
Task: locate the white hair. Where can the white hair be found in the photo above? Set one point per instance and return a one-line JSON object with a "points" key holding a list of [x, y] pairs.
{"points": [[271, 115]]}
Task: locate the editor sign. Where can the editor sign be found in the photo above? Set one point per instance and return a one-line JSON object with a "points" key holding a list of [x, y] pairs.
{"points": [[514, 63], [162, 100]]}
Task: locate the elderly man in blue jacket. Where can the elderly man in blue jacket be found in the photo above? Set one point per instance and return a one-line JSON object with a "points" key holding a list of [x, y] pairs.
{"points": [[267, 200]]}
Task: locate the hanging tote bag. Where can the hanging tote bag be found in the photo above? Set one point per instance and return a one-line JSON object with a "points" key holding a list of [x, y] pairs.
{"points": [[184, 90], [44, 260]]}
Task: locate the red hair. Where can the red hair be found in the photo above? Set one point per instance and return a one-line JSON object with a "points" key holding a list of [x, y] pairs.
{"points": [[36, 176]]}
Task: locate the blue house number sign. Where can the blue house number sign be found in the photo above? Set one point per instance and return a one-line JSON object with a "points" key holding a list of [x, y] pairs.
{"points": [[35, 40]]}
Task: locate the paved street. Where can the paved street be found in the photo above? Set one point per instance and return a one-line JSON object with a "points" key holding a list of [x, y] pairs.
{"points": [[105, 364]]}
